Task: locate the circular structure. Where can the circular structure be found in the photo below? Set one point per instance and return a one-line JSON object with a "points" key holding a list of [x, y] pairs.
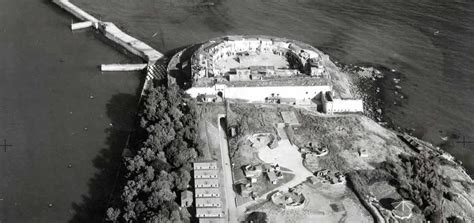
{"points": [[243, 58], [261, 69]]}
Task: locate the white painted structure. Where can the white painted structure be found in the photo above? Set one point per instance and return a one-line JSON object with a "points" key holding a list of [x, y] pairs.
{"points": [[337, 105], [82, 25], [122, 67], [302, 94]]}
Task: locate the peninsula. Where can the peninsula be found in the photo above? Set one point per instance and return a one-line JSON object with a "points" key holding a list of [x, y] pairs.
{"points": [[267, 129]]}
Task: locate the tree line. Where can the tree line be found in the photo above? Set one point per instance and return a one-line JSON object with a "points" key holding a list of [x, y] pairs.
{"points": [[159, 167], [415, 177], [418, 180]]}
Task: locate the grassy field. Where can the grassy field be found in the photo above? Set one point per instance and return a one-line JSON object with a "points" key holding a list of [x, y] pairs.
{"points": [[329, 203], [208, 130], [344, 136], [250, 119]]}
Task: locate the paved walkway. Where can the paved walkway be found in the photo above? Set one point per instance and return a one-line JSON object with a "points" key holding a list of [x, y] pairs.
{"points": [[286, 155], [227, 170]]}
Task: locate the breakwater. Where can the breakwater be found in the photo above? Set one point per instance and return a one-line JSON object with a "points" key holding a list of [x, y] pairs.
{"points": [[122, 67], [112, 32]]}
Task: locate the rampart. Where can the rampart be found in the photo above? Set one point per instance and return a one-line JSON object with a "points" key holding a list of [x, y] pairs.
{"points": [[302, 94]]}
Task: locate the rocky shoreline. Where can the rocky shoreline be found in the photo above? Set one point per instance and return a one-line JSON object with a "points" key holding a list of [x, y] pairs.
{"points": [[380, 89]]}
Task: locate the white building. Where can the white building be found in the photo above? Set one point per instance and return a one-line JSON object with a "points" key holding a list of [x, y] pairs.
{"points": [[337, 105], [205, 165], [302, 94]]}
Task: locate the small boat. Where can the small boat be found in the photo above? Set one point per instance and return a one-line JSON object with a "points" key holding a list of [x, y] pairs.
{"points": [[444, 138], [436, 32]]}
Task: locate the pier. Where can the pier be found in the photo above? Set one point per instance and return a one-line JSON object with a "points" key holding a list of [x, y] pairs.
{"points": [[110, 31], [82, 25], [133, 45], [122, 67], [76, 11]]}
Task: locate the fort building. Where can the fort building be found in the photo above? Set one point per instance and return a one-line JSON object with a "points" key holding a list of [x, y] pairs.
{"points": [[262, 69]]}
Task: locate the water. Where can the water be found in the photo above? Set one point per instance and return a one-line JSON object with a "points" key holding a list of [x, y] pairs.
{"points": [[46, 71], [430, 42]]}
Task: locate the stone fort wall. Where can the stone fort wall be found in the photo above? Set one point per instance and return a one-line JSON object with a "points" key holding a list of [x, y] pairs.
{"points": [[303, 94]]}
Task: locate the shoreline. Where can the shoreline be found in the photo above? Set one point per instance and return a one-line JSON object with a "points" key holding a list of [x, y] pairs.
{"points": [[376, 90], [380, 88]]}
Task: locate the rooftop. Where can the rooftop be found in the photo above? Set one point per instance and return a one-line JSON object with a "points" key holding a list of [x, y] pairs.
{"points": [[208, 212], [205, 165], [205, 173], [208, 202], [206, 183], [207, 192]]}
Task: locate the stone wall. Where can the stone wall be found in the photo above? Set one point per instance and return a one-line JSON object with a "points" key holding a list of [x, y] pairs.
{"points": [[302, 94]]}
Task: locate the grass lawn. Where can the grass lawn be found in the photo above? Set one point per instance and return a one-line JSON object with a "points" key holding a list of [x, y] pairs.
{"points": [[344, 136], [326, 203], [209, 131]]}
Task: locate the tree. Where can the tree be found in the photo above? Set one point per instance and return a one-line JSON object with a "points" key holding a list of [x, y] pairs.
{"points": [[182, 178], [161, 160], [112, 214], [257, 217], [454, 219], [419, 181]]}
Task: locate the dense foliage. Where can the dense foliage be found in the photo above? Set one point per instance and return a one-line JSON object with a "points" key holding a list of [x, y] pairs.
{"points": [[419, 181], [257, 217], [160, 166], [359, 179], [294, 61]]}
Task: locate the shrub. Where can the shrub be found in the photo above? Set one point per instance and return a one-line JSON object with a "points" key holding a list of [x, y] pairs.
{"points": [[160, 164]]}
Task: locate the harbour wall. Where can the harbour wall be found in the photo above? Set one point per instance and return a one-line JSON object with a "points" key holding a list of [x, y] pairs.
{"points": [[76, 11], [137, 47], [122, 67], [113, 33]]}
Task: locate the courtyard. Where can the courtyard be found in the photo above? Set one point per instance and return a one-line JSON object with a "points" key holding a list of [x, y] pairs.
{"points": [[266, 59]]}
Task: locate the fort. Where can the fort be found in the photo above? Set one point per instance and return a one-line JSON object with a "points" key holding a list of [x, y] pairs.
{"points": [[270, 150], [263, 69]]}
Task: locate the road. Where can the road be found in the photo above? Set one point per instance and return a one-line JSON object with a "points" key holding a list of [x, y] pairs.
{"points": [[227, 172]]}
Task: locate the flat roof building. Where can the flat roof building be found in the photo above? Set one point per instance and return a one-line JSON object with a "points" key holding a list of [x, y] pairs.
{"points": [[205, 165], [208, 202], [209, 212], [200, 183], [208, 192], [272, 177], [206, 173]]}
